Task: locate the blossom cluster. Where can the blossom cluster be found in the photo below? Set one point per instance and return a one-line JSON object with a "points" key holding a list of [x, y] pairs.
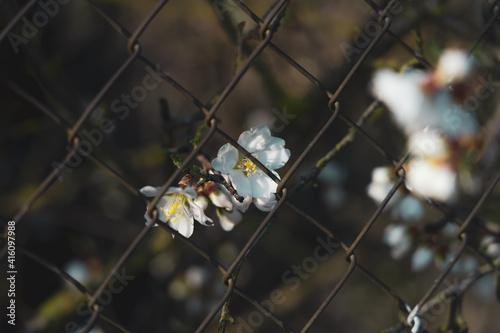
{"points": [[429, 106], [231, 183]]}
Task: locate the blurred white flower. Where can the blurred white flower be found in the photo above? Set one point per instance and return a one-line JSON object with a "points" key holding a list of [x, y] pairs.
{"points": [[485, 287], [431, 180], [196, 276], [397, 238], [403, 205], [78, 270], [403, 95], [417, 98], [491, 246], [408, 208], [178, 209], [449, 229], [333, 173], [421, 258], [430, 172], [454, 65], [465, 265], [332, 178], [440, 131], [243, 174], [493, 250], [428, 143], [381, 185]]}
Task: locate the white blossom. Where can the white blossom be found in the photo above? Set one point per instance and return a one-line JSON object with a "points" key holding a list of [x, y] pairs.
{"points": [[491, 246], [409, 208], [403, 205], [178, 208], [431, 180], [430, 171], [248, 179], [404, 97], [381, 185], [421, 258], [417, 98], [454, 65], [397, 238]]}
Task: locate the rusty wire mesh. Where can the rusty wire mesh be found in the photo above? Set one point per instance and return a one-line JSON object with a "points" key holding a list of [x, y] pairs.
{"points": [[328, 130]]}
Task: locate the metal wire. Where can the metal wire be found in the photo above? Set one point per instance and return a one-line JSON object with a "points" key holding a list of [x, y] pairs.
{"points": [[268, 27]]}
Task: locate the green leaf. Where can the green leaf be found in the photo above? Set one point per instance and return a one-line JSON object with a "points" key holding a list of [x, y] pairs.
{"points": [[197, 136], [176, 160], [199, 172]]}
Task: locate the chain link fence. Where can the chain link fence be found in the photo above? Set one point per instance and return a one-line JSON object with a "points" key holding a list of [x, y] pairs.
{"points": [[96, 96]]}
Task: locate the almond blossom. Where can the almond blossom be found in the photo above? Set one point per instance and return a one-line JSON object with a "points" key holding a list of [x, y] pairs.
{"points": [[418, 99], [402, 204], [429, 106], [245, 176], [177, 208]]}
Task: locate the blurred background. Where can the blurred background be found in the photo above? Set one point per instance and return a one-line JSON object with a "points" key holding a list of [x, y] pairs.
{"points": [[86, 219]]}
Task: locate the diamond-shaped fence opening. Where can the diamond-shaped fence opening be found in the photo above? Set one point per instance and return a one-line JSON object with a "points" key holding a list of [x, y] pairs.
{"points": [[102, 98]]}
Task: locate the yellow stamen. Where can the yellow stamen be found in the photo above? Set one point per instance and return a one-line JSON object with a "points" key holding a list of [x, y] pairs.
{"points": [[175, 209], [247, 166]]}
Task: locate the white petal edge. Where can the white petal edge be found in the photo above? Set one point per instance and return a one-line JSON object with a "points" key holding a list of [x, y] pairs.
{"points": [[255, 139], [226, 159]]}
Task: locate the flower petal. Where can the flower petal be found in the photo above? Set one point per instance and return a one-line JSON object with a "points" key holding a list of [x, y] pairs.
{"points": [[221, 199], [454, 65], [396, 237], [188, 191], [226, 159], [240, 182], [148, 220], [428, 142], [150, 191], [255, 139], [161, 207], [229, 219], [403, 96], [422, 257], [265, 204], [409, 209], [274, 156], [437, 182], [242, 206], [465, 265], [262, 186], [184, 226], [202, 201], [200, 216]]}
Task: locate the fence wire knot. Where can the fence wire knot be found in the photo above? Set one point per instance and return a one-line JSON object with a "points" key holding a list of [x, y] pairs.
{"points": [[413, 319]]}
